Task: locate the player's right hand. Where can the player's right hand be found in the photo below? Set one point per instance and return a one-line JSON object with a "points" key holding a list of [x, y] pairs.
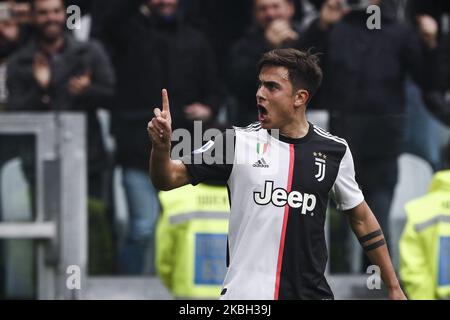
{"points": [[160, 127]]}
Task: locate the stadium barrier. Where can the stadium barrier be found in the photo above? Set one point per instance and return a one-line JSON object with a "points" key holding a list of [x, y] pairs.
{"points": [[59, 224]]}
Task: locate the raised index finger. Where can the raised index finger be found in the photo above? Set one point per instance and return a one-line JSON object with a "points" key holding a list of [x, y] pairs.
{"points": [[165, 101]]}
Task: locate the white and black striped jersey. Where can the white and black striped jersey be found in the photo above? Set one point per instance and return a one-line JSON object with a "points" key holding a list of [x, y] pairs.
{"points": [[278, 190]]}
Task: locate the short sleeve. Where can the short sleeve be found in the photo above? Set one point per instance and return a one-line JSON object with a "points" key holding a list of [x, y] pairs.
{"points": [[345, 191], [213, 162]]}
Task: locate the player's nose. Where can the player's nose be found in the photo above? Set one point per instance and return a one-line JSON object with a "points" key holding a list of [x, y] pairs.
{"points": [[260, 94]]}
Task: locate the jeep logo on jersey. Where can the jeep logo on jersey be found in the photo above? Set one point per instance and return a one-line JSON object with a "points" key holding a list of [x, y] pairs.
{"points": [[320, 161], [280, 197]]}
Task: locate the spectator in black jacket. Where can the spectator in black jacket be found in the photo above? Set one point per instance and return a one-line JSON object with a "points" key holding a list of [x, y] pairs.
{"points": [[273, 27], [436, 98], [10, 41], [54, 72], [222, 21], [423, 131], [153, 48], [364, 77]]}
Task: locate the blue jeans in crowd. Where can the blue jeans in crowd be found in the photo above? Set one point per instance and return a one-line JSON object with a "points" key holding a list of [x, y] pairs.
{"points": [[423, 131], [143, 208]]}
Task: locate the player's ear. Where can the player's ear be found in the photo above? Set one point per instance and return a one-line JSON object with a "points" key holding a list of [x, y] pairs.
{"points": [[301, 98]]}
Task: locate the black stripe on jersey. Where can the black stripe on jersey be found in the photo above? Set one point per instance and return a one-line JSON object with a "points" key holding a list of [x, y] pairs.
{"points": [[305, 252]]}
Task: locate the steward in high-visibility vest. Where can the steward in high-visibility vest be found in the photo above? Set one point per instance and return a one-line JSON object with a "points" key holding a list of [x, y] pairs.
{"points": [[425, 243], [191, 240]]}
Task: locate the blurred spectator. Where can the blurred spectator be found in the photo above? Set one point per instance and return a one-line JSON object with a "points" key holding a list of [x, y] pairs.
{"points": [[437, 100], [425, 243], [9, 43], [191, 240], [222, 21], [363, 87], [426, 112], [54, 72], [423, 131], [10, 39], [21, 11], [153, 48], [434, 8], [273, 27]]}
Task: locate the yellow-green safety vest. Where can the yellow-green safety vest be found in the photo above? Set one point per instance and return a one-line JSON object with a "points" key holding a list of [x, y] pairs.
{"points": [[191, 240], [425, 243]]}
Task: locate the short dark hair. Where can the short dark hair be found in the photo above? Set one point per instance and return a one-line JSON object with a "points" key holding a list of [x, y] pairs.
{"points": [[303, 67]]}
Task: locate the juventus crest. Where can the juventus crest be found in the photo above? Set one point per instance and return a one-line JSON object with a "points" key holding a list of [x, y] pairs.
{"points": [[320, 162]]}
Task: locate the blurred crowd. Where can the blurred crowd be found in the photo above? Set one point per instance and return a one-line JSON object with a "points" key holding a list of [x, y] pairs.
{"points": [[383, 89]]}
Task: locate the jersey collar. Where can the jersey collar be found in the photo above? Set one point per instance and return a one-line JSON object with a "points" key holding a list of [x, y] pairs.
{"points": [[295, 140]]}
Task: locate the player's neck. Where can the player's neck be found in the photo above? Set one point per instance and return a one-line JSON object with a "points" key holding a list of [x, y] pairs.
{"points": [[297, 129]]}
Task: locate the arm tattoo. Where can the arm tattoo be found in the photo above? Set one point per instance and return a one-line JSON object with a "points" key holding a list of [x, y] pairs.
{"points": [[370, 236], [374, 245]]}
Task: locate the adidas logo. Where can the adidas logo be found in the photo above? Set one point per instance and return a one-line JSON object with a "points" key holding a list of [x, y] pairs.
{"points": [[260, 164]]}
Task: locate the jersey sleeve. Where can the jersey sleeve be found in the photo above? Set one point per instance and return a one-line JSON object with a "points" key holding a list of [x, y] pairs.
{"points": [[213, 162], [345, 191]]}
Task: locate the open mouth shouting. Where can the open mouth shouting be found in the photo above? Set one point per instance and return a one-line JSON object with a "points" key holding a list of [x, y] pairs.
{"points": [[262, 113]]}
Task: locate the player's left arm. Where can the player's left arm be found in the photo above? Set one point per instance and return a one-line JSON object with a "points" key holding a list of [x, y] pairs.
{"points": [[368, 231]]}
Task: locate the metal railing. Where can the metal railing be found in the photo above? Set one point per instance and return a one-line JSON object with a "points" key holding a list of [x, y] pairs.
{"points": [[59, 227]]}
